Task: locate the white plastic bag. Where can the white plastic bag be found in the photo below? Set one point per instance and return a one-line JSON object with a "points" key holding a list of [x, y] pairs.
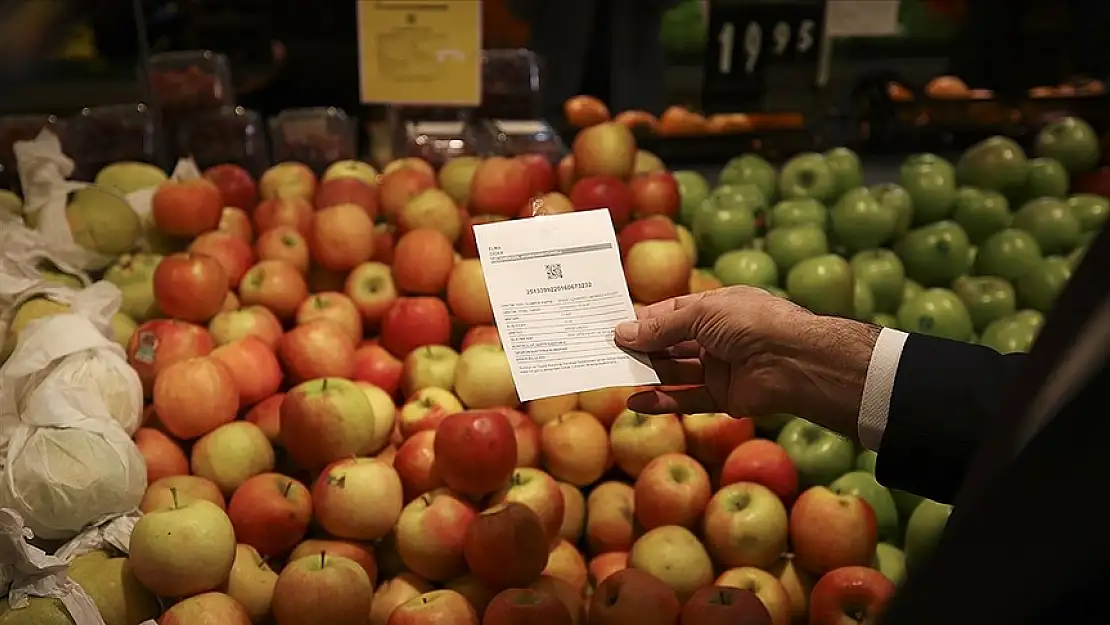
{"points": [[22, 251], [141, 200], [27, 571], [112, 534], [44, 172]]}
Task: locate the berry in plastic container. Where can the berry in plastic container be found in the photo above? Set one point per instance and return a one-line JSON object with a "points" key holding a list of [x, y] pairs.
{"points": [[510, 85], [316, 137], [191, 80], [514, 137], [438, 141], [227, 135], [15, 128], [102, 135]]}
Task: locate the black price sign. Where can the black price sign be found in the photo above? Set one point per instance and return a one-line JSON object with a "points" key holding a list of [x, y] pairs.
{"points": [[748, 39]]}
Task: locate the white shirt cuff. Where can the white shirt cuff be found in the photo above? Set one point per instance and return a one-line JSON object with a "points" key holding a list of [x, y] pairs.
{"points": [[878, 386]]}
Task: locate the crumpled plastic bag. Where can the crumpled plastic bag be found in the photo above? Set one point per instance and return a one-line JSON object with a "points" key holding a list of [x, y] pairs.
{"points": [[68, 463], [22, 253], [27, 571], [141, 200], [112, 534], [44, 172]]}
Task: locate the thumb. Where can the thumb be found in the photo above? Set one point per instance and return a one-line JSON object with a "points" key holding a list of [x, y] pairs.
{"points": [[654, 334]]}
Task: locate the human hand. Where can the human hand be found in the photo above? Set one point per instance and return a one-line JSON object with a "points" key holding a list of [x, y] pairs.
{"points": [[744, 351]]}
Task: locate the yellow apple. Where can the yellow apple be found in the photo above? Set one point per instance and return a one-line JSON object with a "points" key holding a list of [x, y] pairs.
{"points": [[231, 454], [251, 583]]}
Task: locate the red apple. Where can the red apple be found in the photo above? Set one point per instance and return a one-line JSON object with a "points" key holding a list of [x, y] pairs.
{"points": [[347, 190], [233, 253], [540, 492], [414, 322], [385, 237], [610, 510], [373, 364], [720, 605], [475, 451], [271, 513], [422, 262], [274, 284], [236, 221], [506, 546], [501, 186], [527, 436], [673, 489], [370, 286], [232, 325], [607, 149], [633, 596], [328, 419], [434, 209], [604, 192], [283, 243], [254, 368], [160, 342], [745, 525], [174, 490], [541, 173], [711, 437], [236, 185], [606, 404], [399, 186], [190, 287], [360, 553], [409, 162], [467, 296], [357, 499], [288, 179], [565, 173], [266, 414], [829, 531], [763, 462], [342, 237], [334, 307], [526, 606], [647, 229], [479, 335], [655, 193], [186, 208], [425, 410], [636, 439], [294, 212], [195, 396], [467, 246], [318, 349], [847, 595], [553, 203], [438, 607], [164, 456], [575, 448], [657, 270], [604, 565], [415, 463], [431, 532]]}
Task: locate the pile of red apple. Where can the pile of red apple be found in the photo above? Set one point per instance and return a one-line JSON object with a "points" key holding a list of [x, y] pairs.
{"points": [[333, 434]]}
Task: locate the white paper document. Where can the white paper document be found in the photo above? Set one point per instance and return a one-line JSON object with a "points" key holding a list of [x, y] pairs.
{"points": [[558, 290]]}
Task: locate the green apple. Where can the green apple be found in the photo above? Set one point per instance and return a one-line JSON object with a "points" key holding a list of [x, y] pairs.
{"points": [[862, 484], [882, 270], [931, 183], [1008, 254], [820, 455], [987, 298], [718, 230], [936, 312], [1091, 210], [35, 611], [791, 245], [1047, 178], [865, 461], [800, 212], [972, 254], [1051, 223], [1076, 256], [1033, 319], [1008, 336], [910, 290], [750, 169], [863, 302], [885, 320], [846, 168], [739, 195], [890, 561], [924, 530], [693, 189], [1071, 141], [1039, 287], [906, 503], [112, 586], [823, 284], [751, 267], [935, 254], [860, 222], [981, 213], [997, 163], [771, 425], [897, 199], [807, 175]]}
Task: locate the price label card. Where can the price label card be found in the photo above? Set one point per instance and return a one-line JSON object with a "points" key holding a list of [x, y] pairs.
{"points": [[421, 53], [750, 38]]}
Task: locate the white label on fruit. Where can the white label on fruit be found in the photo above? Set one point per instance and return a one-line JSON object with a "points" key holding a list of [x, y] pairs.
{"points": [[521, 127], [861, 18], [437, 129], [558, 290]]}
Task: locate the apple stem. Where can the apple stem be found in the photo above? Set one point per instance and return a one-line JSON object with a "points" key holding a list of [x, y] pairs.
{"points": [[324, 384], [288, 487], [173, 493], [323, 555]]}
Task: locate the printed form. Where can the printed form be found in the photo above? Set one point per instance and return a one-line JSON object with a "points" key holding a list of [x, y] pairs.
{"points": [[558, 290]]}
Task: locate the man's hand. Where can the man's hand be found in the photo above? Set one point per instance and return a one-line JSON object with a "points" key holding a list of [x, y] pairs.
{"points": [[744, 351]]}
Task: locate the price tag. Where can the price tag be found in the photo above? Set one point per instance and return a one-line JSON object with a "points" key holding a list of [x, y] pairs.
{"points": [[426, 53], [748, 39], [436, 129], [521, 127]]}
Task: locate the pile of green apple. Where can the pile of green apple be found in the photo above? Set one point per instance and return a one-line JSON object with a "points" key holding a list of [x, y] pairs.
{"points": [[973, 250]]}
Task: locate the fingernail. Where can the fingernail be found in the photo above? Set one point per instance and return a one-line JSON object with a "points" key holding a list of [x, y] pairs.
{"points": [[626, 332]]}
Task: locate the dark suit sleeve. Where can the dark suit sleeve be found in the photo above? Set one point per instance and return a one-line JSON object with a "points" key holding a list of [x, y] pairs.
{"points": [[945, 392]]}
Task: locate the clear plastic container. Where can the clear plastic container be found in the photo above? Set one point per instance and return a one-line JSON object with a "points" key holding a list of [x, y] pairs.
{"points": [[515, 137], [102, 135], [438, 141], [15, 128], [228, 135], [510, 85], [316, 137], [431, 114], [191, 80]]}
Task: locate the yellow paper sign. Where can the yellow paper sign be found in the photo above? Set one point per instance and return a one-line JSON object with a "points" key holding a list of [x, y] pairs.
{"points": [[420, 52]]}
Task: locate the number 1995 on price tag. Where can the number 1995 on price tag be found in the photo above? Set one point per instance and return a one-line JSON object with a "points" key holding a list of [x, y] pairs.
{"points": [[784, 41]]}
